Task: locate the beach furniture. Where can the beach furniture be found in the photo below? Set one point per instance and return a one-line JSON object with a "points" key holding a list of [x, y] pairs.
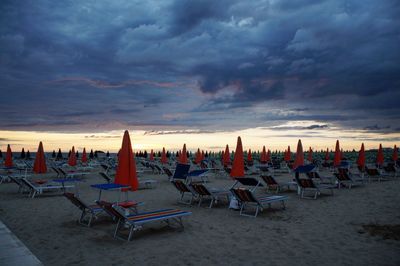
{"points": [[344, 179], [105, 176], [374, 174], [213, 194], [136, 221], [271, 183], [181, 171], [39, 189], [146, 183], [197, 175], [248, 182], [329, 180], [246, 197], [168, 172], [307, 184], [184, 189], [90, 211]]}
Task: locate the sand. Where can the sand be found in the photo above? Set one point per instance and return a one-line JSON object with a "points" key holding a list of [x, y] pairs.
{"points": [[326, 231]]}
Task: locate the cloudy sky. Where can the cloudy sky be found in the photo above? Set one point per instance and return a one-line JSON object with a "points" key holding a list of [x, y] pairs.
{"points": [[288, 68]]}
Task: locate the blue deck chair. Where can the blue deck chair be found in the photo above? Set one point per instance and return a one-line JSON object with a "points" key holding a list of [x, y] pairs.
{"points": [[181, 171]]}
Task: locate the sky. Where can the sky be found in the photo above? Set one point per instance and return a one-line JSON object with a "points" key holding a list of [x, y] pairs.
{"points": [[201, 72]]}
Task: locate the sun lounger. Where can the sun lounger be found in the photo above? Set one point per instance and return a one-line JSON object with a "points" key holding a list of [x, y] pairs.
{"points": [[196, 175], [181, 171], [322, 179], [37, 190], [105, 176], [87, 210], [135, 222], [213, 194], [246, 197], [373, 173], [184, 189], [273, 184], [344, 179], [307, 184], [248, 182]]}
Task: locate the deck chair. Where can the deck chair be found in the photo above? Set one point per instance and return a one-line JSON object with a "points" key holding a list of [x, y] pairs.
{"points": [[390, 169], [248, 182], [213, 194], [168, 172], [70, 174], [184, 189], [136, 221], [87, 210], [246, 197], [37, 190], [21, 186], [307, 184], [344, 179], [373, 173], [197, 175], [271, 183], [322, 179], [181, 171]]}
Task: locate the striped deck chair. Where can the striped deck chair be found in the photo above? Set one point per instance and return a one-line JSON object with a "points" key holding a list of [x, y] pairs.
{"points": [[184, 189], [273, 184], [87, 210], [209, 193], [246, 197], [168, 172], [307, 184], [344, 179], [135, 222]]}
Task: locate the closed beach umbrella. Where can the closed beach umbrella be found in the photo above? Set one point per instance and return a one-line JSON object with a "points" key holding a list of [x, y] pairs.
{"points": [[126, 170], [203, 156], [84, 156], [40, 161], [22, 154], [309, 156], [288, 155], [59, 154], [151, 158], [379, 156], [299, 160], [183, 156], [238, 161], [197, 160], [361, 157], [327, 155], [72, 157], [8, 162], [263, 156], [249, 157], [164, 158], [337, 157], [268, 157], [395, 155], [227, 157]]}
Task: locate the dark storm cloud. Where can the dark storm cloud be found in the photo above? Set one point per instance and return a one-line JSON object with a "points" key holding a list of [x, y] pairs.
{"points": [[96, 65]]}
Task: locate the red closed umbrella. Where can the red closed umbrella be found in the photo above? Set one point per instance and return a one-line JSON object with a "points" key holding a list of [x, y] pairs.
{"points": [[8, 162], [151, 155], [299, 160], [327, 155], [198, 159], [268, 157], [183, 156], [361, 157], [263, 157], [126, 170], [84, 156], [249, 157], [40, 161], [72, 157], [309, 156], [238, 161], [227, 156], [164, 158], [288, 155], [337, 157], [379, 156]]}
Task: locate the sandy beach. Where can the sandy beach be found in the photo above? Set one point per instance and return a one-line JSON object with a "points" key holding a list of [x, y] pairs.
{"points": [[326, 231]]}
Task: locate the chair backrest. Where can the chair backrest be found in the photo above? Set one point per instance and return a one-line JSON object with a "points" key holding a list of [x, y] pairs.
{"points": [[372, 171], [249, 181], [105, 176], [62, 172], [15, 180], [270, 180], [108, 207], [181, 171], [200, 189], [304, 182], [75, 200], [243, 195], [304, 168], [180, 185], [167, 172]]}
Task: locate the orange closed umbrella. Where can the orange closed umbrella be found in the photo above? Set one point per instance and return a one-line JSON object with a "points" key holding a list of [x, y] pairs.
{"points": [[299, 160], [126, 170], [395, 155], [227, 156], [288, 155], [183, 156], [327, 155], [40, 161], [164, 159], [309, 156], [8, 162], [268, 157], [263, 156], [238, 161], [151, 155], [379, 156], [197, 160], [361, 157], [72, 157], [337, 157], [249, 157], [84, 156]]}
